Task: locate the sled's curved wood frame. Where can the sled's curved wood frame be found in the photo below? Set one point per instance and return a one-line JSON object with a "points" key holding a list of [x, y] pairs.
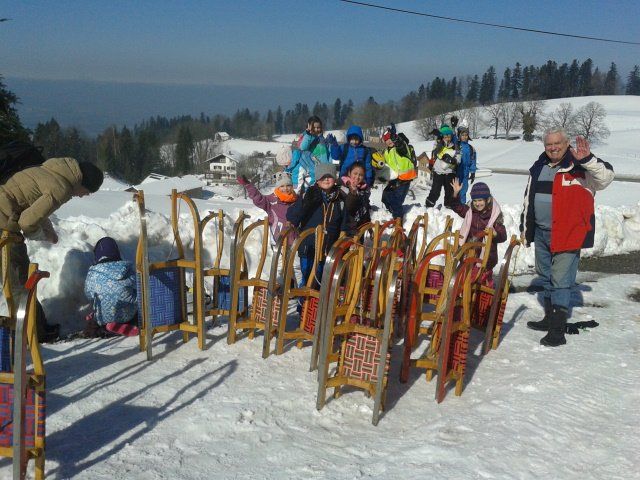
{"points": [[181, 262], [279, 261], [216, 271], [500, 294], [25, 341], [292, 293], [241, 278]]}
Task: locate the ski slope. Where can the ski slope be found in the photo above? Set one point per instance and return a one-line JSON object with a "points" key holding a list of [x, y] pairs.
{"points": [[526, 411]]}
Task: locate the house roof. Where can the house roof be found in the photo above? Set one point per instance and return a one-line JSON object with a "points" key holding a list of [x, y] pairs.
{"points": [[165, 185]]}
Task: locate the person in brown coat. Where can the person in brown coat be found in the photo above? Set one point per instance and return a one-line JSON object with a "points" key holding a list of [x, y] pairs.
{"points": [[27, 199]]}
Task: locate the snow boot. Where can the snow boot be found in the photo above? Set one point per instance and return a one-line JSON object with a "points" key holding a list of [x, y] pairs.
{"points": [[557, 326], [542, 325]]}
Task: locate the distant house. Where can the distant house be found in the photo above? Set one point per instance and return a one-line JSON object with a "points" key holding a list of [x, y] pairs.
{"points": [[222, 169], [156, 184], [424, 174], [221, 137]]}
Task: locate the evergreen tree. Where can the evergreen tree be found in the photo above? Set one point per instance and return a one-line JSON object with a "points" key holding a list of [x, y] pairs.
{"points": [[505, 85], [279, 120], [474, 90], [11, 127], [584, 78], [347, 110], [488, 86], [337, 113], [573, 79], [516, 82], [525, 92], [610, 86], [633, 82], [184, 150]]}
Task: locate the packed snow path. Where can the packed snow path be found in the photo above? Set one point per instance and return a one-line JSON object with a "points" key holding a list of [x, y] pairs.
{"points": [[526, 412]]}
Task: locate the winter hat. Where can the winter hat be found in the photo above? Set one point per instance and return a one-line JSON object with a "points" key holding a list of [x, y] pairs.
{"points": [[325, 169], [386, 136], [106, 250], [445, 130], [462, 130], [282, 179], [480, 190], [92, 176]]}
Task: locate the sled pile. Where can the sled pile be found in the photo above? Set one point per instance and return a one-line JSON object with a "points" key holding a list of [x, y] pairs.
{"points": [[370, 290]]}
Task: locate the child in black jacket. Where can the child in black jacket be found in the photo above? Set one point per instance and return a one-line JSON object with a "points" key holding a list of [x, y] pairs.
{"points": [[322, 204]]}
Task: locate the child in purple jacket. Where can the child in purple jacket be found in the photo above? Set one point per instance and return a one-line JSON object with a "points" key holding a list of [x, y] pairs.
{"points": [[483, 212], [275, 204]]}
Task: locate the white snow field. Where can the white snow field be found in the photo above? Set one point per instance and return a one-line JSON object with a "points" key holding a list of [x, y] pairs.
{"points": [[526, 411]]}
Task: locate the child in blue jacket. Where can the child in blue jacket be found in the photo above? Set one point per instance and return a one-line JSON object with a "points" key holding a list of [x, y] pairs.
{"points": [[466, 171], [111, 287], [352, 152]]}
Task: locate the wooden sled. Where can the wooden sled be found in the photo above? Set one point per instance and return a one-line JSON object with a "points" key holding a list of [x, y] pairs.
{"points": [[161, 289], [22, 391], [364, 339], [217, 276], [251, 318]]}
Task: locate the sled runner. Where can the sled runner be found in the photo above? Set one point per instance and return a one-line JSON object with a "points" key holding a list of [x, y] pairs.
{"points": [[492, 301], [215, 273], [250, 318], [306, 295], [273, 294], [22, 391]]}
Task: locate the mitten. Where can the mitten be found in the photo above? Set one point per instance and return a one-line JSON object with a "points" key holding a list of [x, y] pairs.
{"points": [[472, 177], [242, 180]]}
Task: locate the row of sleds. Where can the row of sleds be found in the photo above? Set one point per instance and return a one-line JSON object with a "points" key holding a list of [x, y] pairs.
{"points": [[382, 285], [375, 288]]}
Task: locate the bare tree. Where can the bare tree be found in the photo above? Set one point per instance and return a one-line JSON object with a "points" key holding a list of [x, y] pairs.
{"points": [[562, 117], [590, 122], [495, 113], [202, 151], [510, 117], [425, 126], [473, 119]]}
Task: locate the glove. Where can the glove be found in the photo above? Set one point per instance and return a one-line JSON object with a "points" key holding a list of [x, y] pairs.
{"points": [[449, 159], [242, 180], [392, 129], [454, 121], [331, 138], [472, 177]]}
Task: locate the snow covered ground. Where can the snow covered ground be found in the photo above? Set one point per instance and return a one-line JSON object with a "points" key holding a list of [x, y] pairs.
{"points": [[526, 412]]}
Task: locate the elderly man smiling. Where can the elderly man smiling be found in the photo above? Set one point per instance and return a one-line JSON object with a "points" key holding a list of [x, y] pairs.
{"points": [[559, 218]]}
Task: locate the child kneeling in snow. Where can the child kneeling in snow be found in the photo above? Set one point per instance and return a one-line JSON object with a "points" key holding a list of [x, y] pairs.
{"points": [[483, 213], [111, 287]]}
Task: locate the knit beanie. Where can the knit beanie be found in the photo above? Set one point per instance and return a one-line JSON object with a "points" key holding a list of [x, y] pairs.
{"points": [[324, 170], [480, 190], [446, 130], [282, 179], [92, 176], [106, 250], [386, 136]]}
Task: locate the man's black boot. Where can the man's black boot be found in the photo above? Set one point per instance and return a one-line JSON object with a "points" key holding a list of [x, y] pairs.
{"points": [[557, 325], [542, 325]]}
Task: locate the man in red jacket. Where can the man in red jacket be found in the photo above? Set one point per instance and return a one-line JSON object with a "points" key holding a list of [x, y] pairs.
{"points": [[559, 218]]}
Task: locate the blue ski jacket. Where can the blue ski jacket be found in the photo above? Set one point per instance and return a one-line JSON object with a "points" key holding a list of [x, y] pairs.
{"points": [[348, 155], [111, 286]]}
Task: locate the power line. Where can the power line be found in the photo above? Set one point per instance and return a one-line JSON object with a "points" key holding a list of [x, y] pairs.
{"points": [[486, 24]]}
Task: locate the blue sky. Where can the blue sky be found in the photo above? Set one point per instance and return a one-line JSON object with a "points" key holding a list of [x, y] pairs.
{"points": [[304, 43]]}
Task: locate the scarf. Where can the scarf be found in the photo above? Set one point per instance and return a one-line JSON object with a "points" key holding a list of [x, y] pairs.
{"points": [[285, 197], [466, 224]]}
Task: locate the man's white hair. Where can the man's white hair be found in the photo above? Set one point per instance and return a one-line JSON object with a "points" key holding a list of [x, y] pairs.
{"points": [[553, 131]]}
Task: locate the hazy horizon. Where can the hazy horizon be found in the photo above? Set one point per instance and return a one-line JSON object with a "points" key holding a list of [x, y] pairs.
{"points": [[93, 105]]}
